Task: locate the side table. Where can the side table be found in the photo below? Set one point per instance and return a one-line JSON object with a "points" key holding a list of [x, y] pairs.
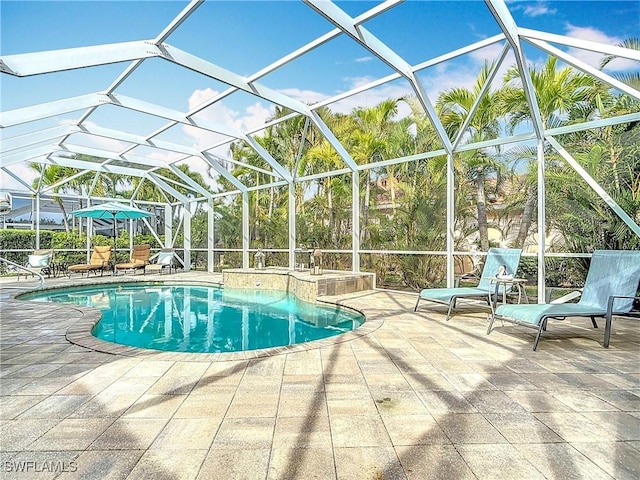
{"points": [[517, 283]]}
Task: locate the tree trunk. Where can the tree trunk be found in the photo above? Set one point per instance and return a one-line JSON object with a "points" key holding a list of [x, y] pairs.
{"points": [[271, 201], [332, 227], [527, 217], [364, 237], [392, 185], [64, 216], [483, 226]]}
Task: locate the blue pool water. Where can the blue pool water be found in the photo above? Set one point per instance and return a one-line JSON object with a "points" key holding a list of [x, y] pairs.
{"points": [[189, 318]]}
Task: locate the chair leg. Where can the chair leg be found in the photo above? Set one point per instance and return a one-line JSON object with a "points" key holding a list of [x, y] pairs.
{"points": [[492, 318], [415, 309], [452, 304], [543, 326], [593, 322], [607, 329]]}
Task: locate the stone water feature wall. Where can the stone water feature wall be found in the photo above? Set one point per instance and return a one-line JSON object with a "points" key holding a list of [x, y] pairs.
{"points": [[301, 283]]}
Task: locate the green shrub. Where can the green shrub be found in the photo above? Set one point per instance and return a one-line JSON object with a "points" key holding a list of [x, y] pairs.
{"points": [[62, 242], [23, 240]]}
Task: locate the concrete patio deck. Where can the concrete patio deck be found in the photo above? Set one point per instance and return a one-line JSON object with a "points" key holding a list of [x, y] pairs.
{"points": [[416, 398]]}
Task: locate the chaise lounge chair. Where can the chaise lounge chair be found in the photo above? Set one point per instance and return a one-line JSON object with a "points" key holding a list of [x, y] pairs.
{"points": [[496, 257], [164, 259], [98, 262], [139, 259], [610, 289]]}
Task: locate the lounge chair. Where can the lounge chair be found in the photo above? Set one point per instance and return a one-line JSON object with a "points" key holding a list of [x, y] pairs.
{"points": [[610, 289], [164, 259], [98, 262], [139, 259], [39, 263], [496, 257]]}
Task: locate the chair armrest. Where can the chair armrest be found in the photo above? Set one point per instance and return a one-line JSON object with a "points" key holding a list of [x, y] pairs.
{"points": [[568, 297], [613, 298]]}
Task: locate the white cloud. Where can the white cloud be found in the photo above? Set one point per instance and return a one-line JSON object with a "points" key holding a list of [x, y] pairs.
{"points": [[531, 9], [490, 54], [367, 58], [164, 156], [593, 58], [251, 117], [256, 115], [20, 170], [538, 9]]}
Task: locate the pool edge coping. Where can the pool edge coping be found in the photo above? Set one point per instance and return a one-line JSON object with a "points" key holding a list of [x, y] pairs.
{"points": [[80, 332]]}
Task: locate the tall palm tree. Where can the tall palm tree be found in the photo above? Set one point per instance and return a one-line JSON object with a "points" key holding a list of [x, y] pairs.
{"points": [[371, 142], [455, 106], [559, 92], [49, 175], [321, 158]]}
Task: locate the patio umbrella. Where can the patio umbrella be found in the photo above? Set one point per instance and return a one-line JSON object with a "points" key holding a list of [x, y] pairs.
{"points": [[113, 210]]}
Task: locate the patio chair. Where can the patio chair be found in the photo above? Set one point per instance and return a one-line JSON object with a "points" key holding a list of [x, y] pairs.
{"points": [[610, 289], [98, 262], [39, 263], [139, 259], [164, 259], [496, 257]]}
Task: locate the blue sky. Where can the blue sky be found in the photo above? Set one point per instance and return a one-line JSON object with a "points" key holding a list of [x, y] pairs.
{"points": [[245, 36]]}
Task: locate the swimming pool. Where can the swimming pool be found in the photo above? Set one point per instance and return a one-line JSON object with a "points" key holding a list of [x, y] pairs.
{"points": [[203, 319]]}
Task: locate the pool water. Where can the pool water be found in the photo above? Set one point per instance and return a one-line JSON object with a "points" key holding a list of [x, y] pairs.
{"points": [[204, 319]]}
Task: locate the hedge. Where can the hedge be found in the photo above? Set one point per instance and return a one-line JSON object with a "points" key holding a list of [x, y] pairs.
{"points": [[25, 240]]}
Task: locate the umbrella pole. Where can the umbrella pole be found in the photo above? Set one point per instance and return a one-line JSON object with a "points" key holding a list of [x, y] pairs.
{"points": [[115, 243]]}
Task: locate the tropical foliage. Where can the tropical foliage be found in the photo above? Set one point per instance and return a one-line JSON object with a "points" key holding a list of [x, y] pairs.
{"points": [[403, 204]]}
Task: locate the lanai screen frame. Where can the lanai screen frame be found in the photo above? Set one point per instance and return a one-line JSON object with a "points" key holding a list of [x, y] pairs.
{"points": [[23, 148]]}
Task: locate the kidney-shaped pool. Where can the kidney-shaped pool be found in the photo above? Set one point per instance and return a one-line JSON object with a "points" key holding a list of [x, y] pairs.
{"points": [[203, 319]]}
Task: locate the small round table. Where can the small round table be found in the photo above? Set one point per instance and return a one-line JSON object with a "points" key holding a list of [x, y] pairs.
{"points": [[518, 283]]}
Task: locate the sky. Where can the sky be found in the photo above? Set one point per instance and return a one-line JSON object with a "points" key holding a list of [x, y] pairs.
{"points": [[246, 36]]}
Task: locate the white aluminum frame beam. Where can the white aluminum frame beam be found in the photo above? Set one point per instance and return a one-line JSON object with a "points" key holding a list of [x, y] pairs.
{"points": [[507, 24], [584, 67], [369, 41], [529, 34], [19, 116], [163, 185], [33, 138]]}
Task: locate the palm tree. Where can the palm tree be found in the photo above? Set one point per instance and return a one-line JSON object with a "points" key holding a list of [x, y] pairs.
{"points": [[371, 142], [49, 175], [630, 78], [585, 220], [454, 106], [558, 92], [322, 158]]}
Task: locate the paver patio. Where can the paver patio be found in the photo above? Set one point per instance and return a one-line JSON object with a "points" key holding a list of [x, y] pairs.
{"points": [[416, 398]]}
